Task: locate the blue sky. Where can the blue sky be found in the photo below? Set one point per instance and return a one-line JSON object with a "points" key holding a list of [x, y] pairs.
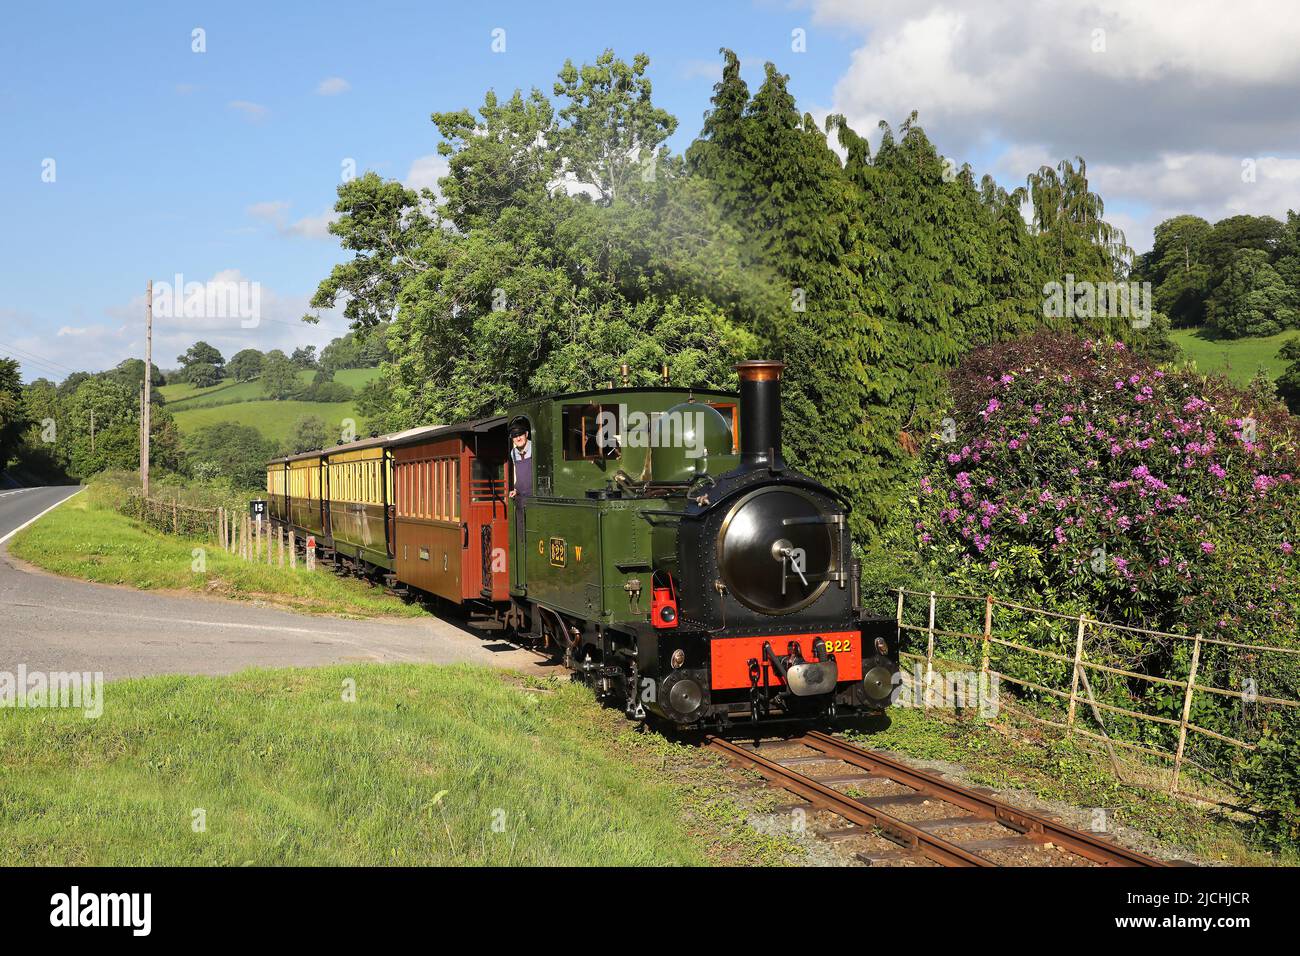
{"points": [[225, 162], [156, 171]]}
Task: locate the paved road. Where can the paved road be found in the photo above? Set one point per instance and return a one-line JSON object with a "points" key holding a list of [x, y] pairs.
{"points": [[20, 505], [51, 623]]}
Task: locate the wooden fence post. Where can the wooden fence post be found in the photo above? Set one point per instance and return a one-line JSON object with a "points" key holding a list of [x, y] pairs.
{"points": [[898, 634], [1187, 712], [257, 554], [1074, 682], [268, 545], [279, 537], [929, 655], [988, 633], [293, 551], [176, 521], [221, 525]]}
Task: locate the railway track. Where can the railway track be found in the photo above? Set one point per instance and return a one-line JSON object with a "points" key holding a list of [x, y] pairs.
{"points": [[974, 828]]}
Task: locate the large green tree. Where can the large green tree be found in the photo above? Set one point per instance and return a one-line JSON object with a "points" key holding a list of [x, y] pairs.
{"points": [[245, 365], [1252, 299], [201, 354], [12, 413], [279, 376]]}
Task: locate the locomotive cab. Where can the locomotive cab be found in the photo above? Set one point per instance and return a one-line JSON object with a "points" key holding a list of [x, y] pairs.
{"points": [[676, 562]]}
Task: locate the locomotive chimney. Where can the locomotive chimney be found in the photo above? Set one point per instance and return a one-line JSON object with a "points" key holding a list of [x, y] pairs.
{"points": [[760, 413]]}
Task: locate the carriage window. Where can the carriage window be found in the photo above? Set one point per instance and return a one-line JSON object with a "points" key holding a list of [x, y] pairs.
{"points": [[591, 432], [487, 480]]}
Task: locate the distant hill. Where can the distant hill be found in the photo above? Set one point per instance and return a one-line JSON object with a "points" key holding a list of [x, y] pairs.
{"points": [[245, 404]]}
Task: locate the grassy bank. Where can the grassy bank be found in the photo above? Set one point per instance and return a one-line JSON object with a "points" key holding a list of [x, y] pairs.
{"points": [[1238, 359], [428, 765], [182, 393], [85, 538], [275, 420], [1054, 769]]}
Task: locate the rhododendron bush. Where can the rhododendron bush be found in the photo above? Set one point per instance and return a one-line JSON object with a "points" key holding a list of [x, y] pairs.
{"points": [[1075, 476]]}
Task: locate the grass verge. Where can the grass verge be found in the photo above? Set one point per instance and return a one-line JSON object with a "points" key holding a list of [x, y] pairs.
{"points": [[425, 765], [1238, 359], [1054, 769], [84, 538]]}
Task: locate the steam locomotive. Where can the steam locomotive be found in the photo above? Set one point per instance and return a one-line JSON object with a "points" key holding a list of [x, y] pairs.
{"points": [[667, 553]]}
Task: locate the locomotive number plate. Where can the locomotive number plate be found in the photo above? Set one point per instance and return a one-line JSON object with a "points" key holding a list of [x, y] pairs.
{"points": [[559, 552]]}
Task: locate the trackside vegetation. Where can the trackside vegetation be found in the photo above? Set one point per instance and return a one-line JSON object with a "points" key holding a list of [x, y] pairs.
{"points": [[87, 538], [398, 765]]}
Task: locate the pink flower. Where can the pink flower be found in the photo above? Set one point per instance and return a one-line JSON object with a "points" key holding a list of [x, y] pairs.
{"points": [[1207, 547]]}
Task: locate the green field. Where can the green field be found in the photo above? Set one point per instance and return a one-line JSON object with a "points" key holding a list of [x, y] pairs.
{"points": [[273, 419], [182, 393], [1238, 359], [86, 538], [423, 765], [244, 403]]}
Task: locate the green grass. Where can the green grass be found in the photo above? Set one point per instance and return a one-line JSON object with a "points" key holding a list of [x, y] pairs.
{"points": [[85, 539], [229, 389], [356, 377], [274, 420], [1053, 768], [427, 766], [244, 403], [1238, 359], [183, 394]]}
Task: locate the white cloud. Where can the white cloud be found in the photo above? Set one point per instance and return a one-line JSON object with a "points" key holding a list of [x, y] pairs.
{"points": [[97, 345], [276, 212], [426, 171], [1163, 98], [313, 227], [253, 112], [272, 211], [333, 86]]}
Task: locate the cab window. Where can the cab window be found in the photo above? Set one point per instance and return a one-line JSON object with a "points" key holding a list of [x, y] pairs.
{"points": [[591, 432]]}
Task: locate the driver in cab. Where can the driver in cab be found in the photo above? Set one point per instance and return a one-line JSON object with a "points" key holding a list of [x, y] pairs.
{"points": [[521, 460]]}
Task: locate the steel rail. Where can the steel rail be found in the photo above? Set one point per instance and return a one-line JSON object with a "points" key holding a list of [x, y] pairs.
{"points": [[1036, 827], [823, 797]]}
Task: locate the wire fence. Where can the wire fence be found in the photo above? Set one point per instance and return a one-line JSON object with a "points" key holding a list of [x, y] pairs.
{"points": [[1176, 702]]}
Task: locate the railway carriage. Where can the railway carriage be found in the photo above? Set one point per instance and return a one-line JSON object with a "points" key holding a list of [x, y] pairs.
{"points": [[667, 553], [451, 510], [277, 500], [306, 495], [358, 500]]}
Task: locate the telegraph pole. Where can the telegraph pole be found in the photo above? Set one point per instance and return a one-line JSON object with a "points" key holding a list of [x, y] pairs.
{"points": [[148, 374]]}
